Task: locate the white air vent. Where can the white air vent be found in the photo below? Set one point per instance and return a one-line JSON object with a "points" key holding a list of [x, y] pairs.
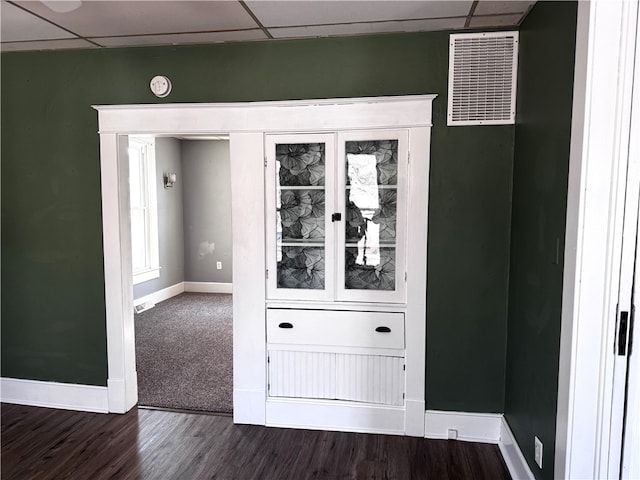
{"points": [[482, 78], [143, 307]]}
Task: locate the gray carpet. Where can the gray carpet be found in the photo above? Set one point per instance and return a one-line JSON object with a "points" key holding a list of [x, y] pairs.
{"points": [[184, 353]]}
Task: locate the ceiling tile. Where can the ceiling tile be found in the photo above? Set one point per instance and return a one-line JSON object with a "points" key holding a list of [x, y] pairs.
{"points": [[295, 13], [17, 25], [182, 39], [110, 18], [45, 45], [489, 7], [366, 28], [496, 21]]}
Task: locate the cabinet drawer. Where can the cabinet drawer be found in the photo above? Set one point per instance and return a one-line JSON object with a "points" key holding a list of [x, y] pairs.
{"points": [[335, 328]]}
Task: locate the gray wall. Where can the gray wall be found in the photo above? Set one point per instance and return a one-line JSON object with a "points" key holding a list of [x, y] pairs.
{"points": [[207, 210], [170, 220]]}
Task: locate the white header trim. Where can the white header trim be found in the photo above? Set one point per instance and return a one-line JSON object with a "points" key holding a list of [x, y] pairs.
{"points": [[282, 117]]}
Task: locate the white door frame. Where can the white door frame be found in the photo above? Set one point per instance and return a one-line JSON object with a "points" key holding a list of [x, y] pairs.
{"points": [[246, 124], [606, 39]]}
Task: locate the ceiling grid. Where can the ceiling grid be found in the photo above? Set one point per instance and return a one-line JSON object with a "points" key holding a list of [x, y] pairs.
{"points": [[58, 24]]}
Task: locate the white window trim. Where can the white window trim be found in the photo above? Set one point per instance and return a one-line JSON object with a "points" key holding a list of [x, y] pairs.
{"points": [[146, 275], [152, 269]]}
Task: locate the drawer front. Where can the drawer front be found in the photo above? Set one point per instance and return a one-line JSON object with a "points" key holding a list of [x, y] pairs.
{"points": [[336, 328]]}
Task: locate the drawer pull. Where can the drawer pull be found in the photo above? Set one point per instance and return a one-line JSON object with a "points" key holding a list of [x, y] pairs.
{"points": [[285, 325], [383, 329]]}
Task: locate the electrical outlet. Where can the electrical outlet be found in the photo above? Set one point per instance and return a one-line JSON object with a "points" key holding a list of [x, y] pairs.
{"points": [[538, 452], [219, 265]]}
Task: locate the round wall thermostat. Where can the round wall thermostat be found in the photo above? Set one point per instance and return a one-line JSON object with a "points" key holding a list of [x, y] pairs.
{"points": [[160, 86]]}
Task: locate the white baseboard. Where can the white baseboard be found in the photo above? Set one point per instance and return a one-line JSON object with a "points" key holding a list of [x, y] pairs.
{"points": [[248, 406], [517, 465], [178, 288], [480, 427], [67, 396], [470, 427], [161, 295], [334, 416], [207, 287], [121, 398], [414, 423]]}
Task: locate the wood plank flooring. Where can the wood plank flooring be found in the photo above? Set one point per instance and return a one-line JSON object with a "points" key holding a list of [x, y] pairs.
{"points": [[41, 443]]}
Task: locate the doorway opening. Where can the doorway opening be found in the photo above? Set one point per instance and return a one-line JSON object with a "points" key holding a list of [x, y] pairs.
{"points": [[181, 250]]}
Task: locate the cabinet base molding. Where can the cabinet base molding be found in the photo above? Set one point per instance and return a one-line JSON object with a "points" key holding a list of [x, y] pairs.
{"points": [[66, 396], [335, 416]]}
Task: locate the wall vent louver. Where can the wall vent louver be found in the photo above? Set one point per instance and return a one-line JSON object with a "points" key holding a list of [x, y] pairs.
{"points": [[482, 78]]}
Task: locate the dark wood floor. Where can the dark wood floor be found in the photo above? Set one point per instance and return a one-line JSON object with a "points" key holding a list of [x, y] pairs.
{"points": [[40, 443]]}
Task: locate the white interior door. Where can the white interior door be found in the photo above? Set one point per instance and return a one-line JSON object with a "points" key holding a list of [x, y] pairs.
{"points": [[630, 461], [630, 464], [624, 461]]}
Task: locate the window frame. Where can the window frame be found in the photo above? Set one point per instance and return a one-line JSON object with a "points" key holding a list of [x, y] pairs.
{"points": [[148, 180]]}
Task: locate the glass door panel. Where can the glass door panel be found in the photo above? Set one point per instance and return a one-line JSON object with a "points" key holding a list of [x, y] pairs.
{"points": [[374, 170], [299, 229], [300, 215], [371, 197]]}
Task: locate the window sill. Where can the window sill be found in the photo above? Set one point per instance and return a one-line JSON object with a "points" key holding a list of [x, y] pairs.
{"points": [[146, 275]]}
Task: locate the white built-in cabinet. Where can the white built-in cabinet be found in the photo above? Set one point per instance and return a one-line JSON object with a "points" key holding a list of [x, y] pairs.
{"points": [[336, 250], [354, 357]]}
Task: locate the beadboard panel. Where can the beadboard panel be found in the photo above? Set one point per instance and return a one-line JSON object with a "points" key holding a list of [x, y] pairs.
{"points": [[370, 378], [336, 376]]}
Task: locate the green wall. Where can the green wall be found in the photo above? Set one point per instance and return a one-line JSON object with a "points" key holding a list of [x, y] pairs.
{"points": [[53, 320], [541, 164]]}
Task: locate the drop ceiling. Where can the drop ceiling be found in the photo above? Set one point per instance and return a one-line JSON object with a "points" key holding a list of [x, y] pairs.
{"points": [[59, 24]]}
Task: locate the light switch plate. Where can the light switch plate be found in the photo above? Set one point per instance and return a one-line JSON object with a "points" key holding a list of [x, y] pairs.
{"points": [[538, 452]]}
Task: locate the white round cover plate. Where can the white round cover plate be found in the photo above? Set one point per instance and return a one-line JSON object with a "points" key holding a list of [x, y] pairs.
{"points": [[160, 86]]}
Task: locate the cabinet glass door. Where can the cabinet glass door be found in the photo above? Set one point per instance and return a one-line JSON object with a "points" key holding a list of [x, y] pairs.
{"points": [[300, 240], [373, 168]]}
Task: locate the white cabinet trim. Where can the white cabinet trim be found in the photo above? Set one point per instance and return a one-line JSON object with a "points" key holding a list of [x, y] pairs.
{"points": [[277, 117], [335, 415]]}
